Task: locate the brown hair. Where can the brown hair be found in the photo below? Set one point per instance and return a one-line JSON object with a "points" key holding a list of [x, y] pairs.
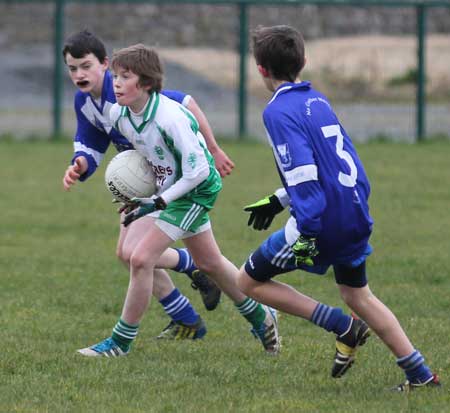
{"points": [[280, 50], [142, 61]]}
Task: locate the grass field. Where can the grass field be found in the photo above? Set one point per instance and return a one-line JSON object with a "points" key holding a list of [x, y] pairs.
{"points": [[62, 288]]}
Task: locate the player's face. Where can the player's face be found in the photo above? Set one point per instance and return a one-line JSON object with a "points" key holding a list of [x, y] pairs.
{"points": [[128, 91], [87, 73]]}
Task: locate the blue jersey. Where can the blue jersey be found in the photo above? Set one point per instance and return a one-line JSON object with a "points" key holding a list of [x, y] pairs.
{"points": [[94, 130], [321, 172]]}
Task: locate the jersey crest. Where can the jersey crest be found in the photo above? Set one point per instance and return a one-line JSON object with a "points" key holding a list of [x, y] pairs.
{"points": [[284, 154], [159, 152]]}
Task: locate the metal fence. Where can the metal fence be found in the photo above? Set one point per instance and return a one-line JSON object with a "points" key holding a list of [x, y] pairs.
{"points": [[232, 109]]}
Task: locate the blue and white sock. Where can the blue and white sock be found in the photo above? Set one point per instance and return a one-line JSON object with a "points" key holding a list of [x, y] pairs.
{"points": [[415, 368], [331, 319], [178, 308], [185, 263]]}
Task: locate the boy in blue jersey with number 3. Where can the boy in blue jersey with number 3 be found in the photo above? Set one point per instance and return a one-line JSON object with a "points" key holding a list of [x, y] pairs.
{"points": [[327, 190]]}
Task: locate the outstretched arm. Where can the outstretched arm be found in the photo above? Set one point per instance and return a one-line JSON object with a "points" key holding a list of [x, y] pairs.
{"points": [[223, 163], [74, 171]]}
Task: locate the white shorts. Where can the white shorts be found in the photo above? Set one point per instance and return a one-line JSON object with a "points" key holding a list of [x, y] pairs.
{"points": [[175, 233]]}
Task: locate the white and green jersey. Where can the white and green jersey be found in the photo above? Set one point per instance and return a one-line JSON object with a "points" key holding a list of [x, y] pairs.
{"points": [[167, 134]]}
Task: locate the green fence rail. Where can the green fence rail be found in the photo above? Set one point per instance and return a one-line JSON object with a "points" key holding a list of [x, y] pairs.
{"points": [[421, 7]]}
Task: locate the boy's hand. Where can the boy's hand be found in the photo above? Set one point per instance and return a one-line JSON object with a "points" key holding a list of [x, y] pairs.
{"points": [[304, 250], [223, 163], [263, 212], [124, 206], [141, 207], [74, 171]]}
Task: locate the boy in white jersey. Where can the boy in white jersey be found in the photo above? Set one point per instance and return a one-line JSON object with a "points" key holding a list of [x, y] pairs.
{"points": [[188, 184], [87, 61]]}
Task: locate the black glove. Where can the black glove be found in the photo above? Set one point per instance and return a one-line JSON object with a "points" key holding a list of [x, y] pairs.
{"points": [[125, 206], [304, 250], [263, 212]]}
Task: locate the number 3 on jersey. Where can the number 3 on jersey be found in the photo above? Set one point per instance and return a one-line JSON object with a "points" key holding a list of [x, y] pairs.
{"points": [[345, 179]]}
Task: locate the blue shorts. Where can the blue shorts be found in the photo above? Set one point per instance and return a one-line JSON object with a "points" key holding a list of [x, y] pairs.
{"points": [[275, 257]]}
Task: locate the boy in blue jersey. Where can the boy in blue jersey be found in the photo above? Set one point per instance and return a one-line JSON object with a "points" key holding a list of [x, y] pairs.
{"points": [[327, 190], [86, 58]]}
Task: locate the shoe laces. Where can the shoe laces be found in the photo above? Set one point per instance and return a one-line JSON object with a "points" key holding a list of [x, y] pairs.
{"points": [[105, 345]]}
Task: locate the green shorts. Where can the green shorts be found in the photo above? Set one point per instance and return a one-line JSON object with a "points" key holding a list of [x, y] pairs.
{"points": [[185, 214]]}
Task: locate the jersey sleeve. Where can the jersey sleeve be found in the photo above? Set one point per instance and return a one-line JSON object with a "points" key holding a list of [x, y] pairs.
{"points": [[177, 96], [89, 141], [296, 164], [282, 196], [194, 164]]}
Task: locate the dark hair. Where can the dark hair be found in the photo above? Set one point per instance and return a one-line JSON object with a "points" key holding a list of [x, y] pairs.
{"points": [[142, 61], [82, 43], [280, 50]]}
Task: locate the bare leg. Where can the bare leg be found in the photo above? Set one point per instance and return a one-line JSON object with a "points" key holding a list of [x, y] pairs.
{"points": [[277, 295], [131, 235], [379, 318], [209, 259], [142, 263], [129, 238], [162, 284]]}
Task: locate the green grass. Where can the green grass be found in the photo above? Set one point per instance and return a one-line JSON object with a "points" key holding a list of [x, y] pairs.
{"points": [[62, 288]]}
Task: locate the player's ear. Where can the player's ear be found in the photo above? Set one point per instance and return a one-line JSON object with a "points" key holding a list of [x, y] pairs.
{"points": [[264, 72], [105, 63], [145, 87], [304, 63]]}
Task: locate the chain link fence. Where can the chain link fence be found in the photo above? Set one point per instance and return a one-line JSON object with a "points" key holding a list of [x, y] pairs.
{"points": [[362, 58]]}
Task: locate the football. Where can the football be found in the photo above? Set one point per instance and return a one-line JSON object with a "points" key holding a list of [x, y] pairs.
{"points": [[129, 174]]}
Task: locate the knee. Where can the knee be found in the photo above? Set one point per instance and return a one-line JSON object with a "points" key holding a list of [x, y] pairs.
{"points": [[207, 265], [123, 256], [355, 297], [140, 262]]}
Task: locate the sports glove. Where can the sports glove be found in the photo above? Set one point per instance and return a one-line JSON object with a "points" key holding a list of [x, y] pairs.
{"points": [[304, 250], [141, 207], [124, 206], [263, 212]]}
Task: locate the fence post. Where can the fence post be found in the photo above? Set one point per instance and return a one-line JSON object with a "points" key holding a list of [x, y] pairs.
{"points": [[243, 48], [421, 73], [58, 68]]}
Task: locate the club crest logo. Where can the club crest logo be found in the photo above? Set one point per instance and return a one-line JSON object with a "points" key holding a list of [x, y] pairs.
{"points": [[284, 154], [159, 152], [192, 159]]}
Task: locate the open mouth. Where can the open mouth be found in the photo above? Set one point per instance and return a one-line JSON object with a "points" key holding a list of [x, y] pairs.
{"points": [[83, 83]]}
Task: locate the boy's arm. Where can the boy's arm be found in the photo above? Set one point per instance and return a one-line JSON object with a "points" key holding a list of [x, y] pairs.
{"points": [[223, 163], [194, 167], [74, 171], [295, 160], [90, 145], [194, 164]]}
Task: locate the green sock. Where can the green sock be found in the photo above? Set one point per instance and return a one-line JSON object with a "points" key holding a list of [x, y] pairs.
{"points": [[252, 311], [124, 334]]}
